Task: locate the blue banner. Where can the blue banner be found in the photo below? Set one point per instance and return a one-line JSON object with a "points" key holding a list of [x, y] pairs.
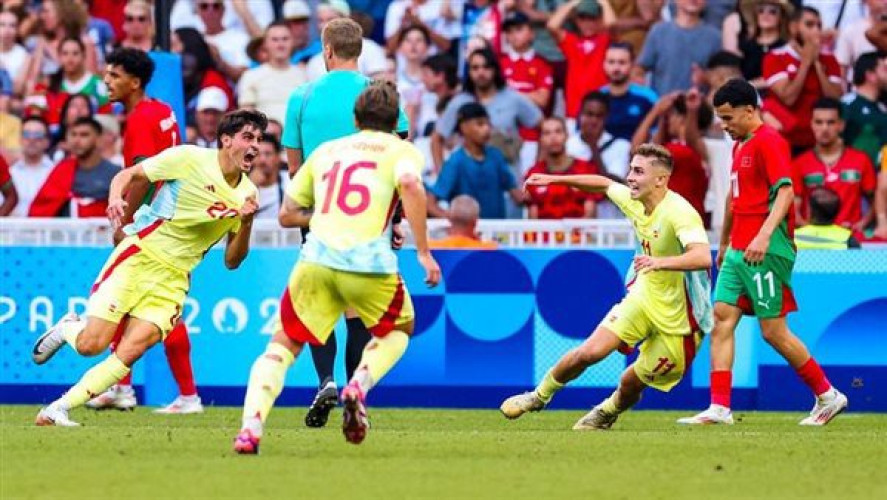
{"points": [[498, 321]]}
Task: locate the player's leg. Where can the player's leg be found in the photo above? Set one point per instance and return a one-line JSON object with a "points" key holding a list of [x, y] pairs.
{"points": [[139, 336], [120, 395], [178, 354], [626, 395], [324, 359]]}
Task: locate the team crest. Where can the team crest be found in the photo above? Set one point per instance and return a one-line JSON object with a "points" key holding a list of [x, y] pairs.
{"points": [[746, 161]]}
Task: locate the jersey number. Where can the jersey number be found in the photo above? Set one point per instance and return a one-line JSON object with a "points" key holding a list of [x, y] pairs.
{"points": [[759, 281], [219, 210], [645, 245], [734, 183], [346, 187]]}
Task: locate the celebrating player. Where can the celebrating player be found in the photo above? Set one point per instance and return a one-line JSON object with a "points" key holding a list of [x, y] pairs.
{"points": [[352, 184], [667, 306], [756, 257], [150, 128], [206, 195]]}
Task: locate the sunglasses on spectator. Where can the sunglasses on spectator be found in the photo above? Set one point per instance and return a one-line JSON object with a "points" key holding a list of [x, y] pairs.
{"points": [[209, 6], [136, 19], [768, 9], [33, 135]]}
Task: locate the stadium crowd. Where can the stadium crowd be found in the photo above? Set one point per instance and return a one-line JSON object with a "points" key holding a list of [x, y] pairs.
{"points": [[495, 90]]}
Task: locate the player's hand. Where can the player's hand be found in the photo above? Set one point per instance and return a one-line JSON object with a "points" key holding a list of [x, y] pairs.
{"points": [[397, 237], [538, 180], [722, 252], [757, 249], [432, 270], [644, 263], [116, 211], [249, 208], [693, 99], [859, 227]]}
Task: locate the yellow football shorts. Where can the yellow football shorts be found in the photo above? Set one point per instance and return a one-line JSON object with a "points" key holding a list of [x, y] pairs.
{"points": [[663, 359], [134, 283], [316, 296]]}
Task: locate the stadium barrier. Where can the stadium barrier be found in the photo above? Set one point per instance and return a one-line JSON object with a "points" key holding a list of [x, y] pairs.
{"points": [[497, 321]]}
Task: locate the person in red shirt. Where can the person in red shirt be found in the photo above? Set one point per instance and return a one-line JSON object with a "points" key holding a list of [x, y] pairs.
{"points": [[797, 74], [584, 51], [7, 189], [557, 201], [150, 128], [528, 74], [845, 170], [756, 258]]}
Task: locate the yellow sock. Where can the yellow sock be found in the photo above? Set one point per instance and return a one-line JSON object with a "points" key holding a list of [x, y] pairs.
{"points": [[610, 405], [548, 387], [379, 357], [71, 330], [95, 381], [266, 382]]}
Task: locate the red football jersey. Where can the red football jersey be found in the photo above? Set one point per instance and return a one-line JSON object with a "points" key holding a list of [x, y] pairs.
{"points": [[150, 128], [585, 67], [557, 201], [761, 165], [689, 178], [4, 172], [527, 73], [850, 177]]}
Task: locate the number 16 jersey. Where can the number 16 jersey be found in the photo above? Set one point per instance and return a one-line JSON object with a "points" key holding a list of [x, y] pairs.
{"points": [[353, 184]]}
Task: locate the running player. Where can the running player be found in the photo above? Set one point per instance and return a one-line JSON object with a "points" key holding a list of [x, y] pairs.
{"points": [[206, 195], [150, 129], [756, 257], [668, 305], [352, 184]]}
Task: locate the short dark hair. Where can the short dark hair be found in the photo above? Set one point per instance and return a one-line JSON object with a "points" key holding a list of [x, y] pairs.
{"points": [[596, 96], [799, 13], [724, 59], [704, 117], [493, 62], [656, 153], [736, 92], [421, 29], [35, 118], [90, 122], [623, 46], [235, 121], [825, 204], [865, 63], [133, 61], [470, 111], [378, 107], [444, 63], [280, 23], [828, 103], [270, 139]]}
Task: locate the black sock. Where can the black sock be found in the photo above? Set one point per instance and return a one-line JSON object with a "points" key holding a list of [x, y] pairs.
{"points": [[324, 357], [358, 337]]}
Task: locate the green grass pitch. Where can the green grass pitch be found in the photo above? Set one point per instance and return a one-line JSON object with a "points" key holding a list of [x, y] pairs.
{"points": [[442, 454]]}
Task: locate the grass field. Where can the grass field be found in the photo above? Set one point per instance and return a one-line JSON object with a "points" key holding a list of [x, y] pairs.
{"points": [[442, 454]]}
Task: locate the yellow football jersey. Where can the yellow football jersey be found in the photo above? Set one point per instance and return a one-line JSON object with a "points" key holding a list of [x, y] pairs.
{"points": [[193, 209], [352, 185], [676, 301]]}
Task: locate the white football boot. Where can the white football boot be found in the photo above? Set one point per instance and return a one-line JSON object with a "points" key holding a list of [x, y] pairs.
{"points": [[119, 397], [596, 420], [827, 407], [517, 405], [54, 415], [715, 414], [50, 342], [182, 405]]}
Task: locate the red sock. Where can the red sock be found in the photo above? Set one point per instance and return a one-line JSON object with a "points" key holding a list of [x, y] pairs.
{"points": [[812, 375], [178, 354], [721, 384]]}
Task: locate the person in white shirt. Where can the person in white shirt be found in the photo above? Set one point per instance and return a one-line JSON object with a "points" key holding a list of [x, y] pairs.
{"points": [[594, 144], [412, 51], [30, 172], [852, 41], [227, 45], [372, 61], [248, 16], [212, 103], [268, 87], [442, 19], [13, 57], [269, 176]]}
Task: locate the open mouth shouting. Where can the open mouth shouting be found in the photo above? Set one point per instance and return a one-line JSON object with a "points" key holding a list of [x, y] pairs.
{"points": [[248, 158]]}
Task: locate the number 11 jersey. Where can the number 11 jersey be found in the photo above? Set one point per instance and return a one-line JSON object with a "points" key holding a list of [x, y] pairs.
{"points": [[352, 184]]}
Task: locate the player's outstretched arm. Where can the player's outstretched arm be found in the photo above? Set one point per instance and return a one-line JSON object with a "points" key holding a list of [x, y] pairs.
{"points": [[293, 215], [696, 256], [588, 183], [118, 209], [412, 192], [238, 243]]}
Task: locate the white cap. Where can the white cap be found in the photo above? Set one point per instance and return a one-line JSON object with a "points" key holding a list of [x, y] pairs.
{"points": [[212, 98], [296, 9], [340, 6], [109, 123]]}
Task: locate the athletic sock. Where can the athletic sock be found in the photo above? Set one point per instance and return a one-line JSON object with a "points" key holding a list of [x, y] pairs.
{"points": [[379, 356], [94, 382], [324, 357], [265, 382], [71, 330], [812, 375], [721, 385], [358, 338], [178, 355], [612, 405], [548, 387]]}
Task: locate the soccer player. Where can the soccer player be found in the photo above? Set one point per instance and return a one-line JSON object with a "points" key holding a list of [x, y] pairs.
{"points": [[667, 306], [150, 129], [206, 196], [756, 257], [352, 185]]}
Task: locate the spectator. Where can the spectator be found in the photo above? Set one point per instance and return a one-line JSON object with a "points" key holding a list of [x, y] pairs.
{"points": [[13, 57], [881, 198], [297, 17], [274, 129], [629, 102], [558, 201], [110, 11], [509, 110], [798, 74], [439, 84], [877, 34], [198, 68], [721, 67], [109, 142], [757, 27], [10, 129], [412, 51], [865, 117], [463, 214], [539, 12], [267, 175], [672, 48], [76, 106], [211, 105], [78, 185], [836, 17], [584, 50], [138, 25], [595, 145], [227, 45], [634, 19], [73, 78], [852, 41], [372, 61], [442, 19], [30, 172], [822, 233], [249, 17], [845, 170], [99, 31], [476, 169], [7, 189], [268, 87], [528, 74]]}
